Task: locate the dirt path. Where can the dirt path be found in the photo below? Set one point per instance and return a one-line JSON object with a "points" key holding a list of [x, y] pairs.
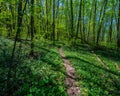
{"points": [[72, 88]]}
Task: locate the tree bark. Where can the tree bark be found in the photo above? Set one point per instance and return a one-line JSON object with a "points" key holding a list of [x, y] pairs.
{"points": [[101, 21], [32, 28], [72, 18], [11, 65], [94, 19], [118, 27], [53, 24]]}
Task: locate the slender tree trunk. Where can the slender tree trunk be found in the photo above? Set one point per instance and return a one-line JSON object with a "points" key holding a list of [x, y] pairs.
{"points": [[32, 28], [89, 28], [57, 16], [72, 18], [79, 19], [12, 65], [94, 19], [83, 26], [79, 22], [67, 11], [81, 33], [101, 21], [110, 30], [118, 27], [46, 16], [13, 51], [53, 24]]}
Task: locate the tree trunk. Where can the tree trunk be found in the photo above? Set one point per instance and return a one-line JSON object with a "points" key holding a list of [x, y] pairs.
{"points": [[94, 19], [72, 18], [19, 23], [53, 24], [79, 19], [32, 28], [118, 27], [101, 21]]}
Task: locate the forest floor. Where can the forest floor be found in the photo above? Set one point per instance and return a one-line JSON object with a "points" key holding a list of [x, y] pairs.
{"points": [[64, 72], [97, 69], [72, 88]]}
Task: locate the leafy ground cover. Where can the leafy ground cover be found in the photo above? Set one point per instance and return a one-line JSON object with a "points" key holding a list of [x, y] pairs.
{"points": [[43, 75], [98, 71], [94, 78]]}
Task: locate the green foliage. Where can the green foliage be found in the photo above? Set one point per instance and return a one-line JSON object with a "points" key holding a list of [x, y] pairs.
{"points": [[94, 78], [35, 67], [41, 76]]}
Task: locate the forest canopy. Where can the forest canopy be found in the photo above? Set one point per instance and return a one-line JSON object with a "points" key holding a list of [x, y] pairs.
{"points": [[88, 21]]}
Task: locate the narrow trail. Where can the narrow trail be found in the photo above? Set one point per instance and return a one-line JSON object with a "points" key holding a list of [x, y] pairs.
{"points": [[72, 88]]}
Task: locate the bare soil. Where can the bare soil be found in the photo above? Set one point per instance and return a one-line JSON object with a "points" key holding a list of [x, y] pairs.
{"points": [[72, 88]]}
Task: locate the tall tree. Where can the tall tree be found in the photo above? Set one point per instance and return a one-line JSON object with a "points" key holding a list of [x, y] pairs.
{"points": [[118, 26], [101, 20], [15, 42], [32, 28], [94, 19], [79, 25], [53, 23], [17, 37], [72, 18]]}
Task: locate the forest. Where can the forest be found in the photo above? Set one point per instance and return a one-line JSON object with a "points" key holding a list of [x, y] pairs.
{"points": [[59, 47]]}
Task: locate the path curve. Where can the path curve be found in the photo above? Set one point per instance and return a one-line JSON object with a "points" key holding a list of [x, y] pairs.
{"points": [[72, 88]]}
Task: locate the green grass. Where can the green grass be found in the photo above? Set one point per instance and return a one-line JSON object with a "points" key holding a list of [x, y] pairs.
{"points": [[93, 77]]}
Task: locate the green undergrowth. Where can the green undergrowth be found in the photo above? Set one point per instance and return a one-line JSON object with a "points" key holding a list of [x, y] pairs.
{"points": [[110, 58], [94, 78], [41, 75]]}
